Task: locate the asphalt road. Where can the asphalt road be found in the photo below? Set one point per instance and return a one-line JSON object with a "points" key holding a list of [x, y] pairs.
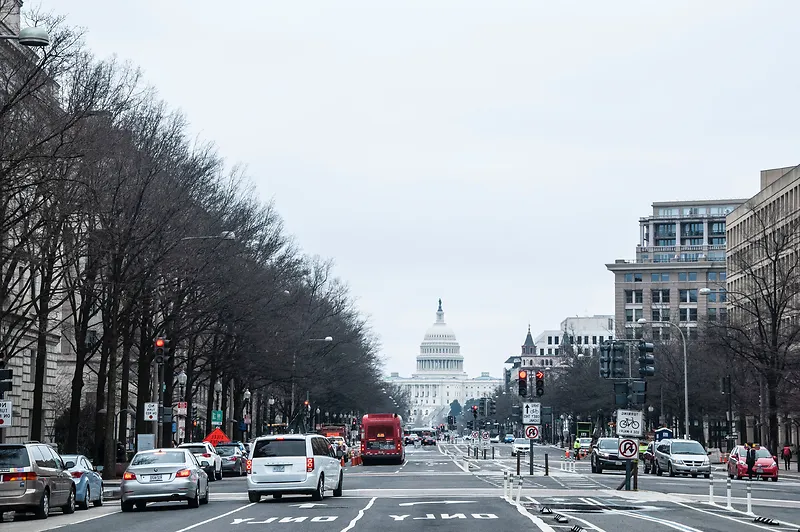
{"points": [[440, 487]]}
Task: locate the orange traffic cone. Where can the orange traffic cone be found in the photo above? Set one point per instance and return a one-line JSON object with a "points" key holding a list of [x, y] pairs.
{"points": [[342, 461]]}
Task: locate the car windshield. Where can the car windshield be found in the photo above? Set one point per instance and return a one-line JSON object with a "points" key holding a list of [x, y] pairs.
{"points": [[195, 449], [226, 450], [509, 435], [14, 456], [763, 453], [521, 441], [587, 441], [608, 443], [273, 448], [70, 458], [163, 457], [688, 447]]}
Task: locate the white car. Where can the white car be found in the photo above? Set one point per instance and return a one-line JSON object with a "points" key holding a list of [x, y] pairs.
{"points": [[293, 463], [205, 452], [521, 446]]}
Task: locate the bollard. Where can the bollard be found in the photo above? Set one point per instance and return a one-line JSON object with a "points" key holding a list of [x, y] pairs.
{"points": [[636, 477], [728, 486], [517, 463], [749, 501], [492, 452], [572, 466], [711, 488], [505, 483], [546, 465], [484, 453], [519, 489]]}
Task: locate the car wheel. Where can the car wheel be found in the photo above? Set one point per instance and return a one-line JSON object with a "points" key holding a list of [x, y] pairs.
{"points": [[253, 496], [671, 471], [594, 467], [194, 502], [84, 504], [775, 479], [141, 505], [707, 475], [599, 469], [277, 495], [127, 506], [43, 510], [218, 475], [319, 494], [659, 471], [69, 508], [646, 468], [337, 492], [99, 501]]}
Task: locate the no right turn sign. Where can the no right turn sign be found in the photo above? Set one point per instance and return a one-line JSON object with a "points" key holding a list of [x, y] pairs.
{"points": [[6, 414]]}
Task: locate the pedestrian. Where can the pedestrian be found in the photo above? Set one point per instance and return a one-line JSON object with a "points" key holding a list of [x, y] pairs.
{"points": [[751, 460], [577, 447], [787, 456]]}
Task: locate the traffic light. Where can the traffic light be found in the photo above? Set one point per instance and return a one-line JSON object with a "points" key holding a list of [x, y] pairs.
{"points": [[618, 360], [194, 411], [492, 407], [539, 383], [621, 393], [646, 359], [160, 349], [523, 382], [5, 380], [485, 406], [637, 393], [475, 411], [605, 360]]}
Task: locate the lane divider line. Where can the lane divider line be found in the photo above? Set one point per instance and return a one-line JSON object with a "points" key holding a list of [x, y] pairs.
{"points": [[544, 527], [729, 518], [359, 516], [226, 514]]}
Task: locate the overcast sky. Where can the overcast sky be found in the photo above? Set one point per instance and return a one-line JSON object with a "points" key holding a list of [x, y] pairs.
{"points": [[494, 154]]}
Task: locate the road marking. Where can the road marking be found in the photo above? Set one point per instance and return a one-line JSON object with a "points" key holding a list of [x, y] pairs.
{"points": [[226, 514], [544, 527], [85, 520], [356, 518], [781, 521], [433, 502], [584, 521]]}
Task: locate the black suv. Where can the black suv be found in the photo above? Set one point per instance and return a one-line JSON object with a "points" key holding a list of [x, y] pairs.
{"points": [[605, 455]]}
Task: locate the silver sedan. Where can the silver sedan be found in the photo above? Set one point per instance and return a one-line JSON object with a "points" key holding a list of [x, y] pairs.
{"points": [[164, 475]]}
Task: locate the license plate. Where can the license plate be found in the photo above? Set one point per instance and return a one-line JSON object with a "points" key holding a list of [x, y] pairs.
{"points": [[617, 463], [278, 469], [155, 478], [760, 469], [694, 470]]}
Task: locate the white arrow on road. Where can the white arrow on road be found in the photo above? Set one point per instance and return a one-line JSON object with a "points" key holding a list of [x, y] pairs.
{"points": [[308, 505], [434, 502]]}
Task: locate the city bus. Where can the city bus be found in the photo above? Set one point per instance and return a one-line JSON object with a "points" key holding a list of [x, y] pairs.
{"points": [[382, 439]]}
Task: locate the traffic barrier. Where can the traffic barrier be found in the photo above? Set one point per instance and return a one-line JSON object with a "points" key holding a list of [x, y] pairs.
{"points": [[728, 488], [711, 488], [749, 497], [519, 488], [724, 457], [505, 483]]}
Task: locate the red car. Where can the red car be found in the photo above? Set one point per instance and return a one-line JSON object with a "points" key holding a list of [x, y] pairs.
{"points": [[766, 465]]}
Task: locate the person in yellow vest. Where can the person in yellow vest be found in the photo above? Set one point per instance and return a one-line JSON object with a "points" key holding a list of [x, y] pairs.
{"points": [[577, 448]]}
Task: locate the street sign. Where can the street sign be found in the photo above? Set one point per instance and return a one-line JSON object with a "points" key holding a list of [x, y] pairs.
{"points": [[180, 408], [532, 432], [216, 418], [6, 414], [174, 427], [531, 413], [485, 435], [474, 434], [150, 412], [628, 448], [629, 423]]}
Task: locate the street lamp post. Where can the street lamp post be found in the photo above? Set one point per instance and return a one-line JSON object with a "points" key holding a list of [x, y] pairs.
{"points": [[245, 411], [182, 386], [642, 321], [32, 37], [270, 418]]}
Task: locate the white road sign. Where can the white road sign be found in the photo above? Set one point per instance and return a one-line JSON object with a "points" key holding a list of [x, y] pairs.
{"points": [[629, 423], [628, 448], [6, 415], [485, 435], [151, 412], [531, 413], [474, 434], [532, 432]]}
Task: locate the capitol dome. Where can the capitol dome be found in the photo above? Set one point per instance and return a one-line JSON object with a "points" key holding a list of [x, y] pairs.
{"points": [[439, 332], [439, 352]]}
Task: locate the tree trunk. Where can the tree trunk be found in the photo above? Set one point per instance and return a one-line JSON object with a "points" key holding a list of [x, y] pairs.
{"points": [[124, 397], [144, 373], [169, 370], [71, 446], [772, 383], [100, 420], [38, 412], [109, 447]]}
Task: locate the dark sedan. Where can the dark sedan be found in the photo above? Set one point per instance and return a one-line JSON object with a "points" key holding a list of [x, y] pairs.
{"points": [[605, 455], [233, 460]]}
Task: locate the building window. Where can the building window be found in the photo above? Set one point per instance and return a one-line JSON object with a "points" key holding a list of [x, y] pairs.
{"points": [[637, 277], [717, 241], [693, 242], [580, 338], [556, 352], [688, 314], [688, 296], [631, 315], [712, 314], [594, 340], [541, 352], [659, 277], [555, 340], [549, 340], [717, 228], [722, 276], [549, 351], [628, 277], [660, 314], [692, 229], [601, 339], [687, 276], [660, 296], [712, 276], [586, 338], [633, 296]]}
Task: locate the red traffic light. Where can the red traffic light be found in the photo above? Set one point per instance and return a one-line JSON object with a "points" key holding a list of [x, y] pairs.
{"points": [[523, 374], [540, 374], [159, 342]]}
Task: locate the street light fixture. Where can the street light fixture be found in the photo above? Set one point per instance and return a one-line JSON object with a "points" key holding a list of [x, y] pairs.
{"points": [[32, 37]]}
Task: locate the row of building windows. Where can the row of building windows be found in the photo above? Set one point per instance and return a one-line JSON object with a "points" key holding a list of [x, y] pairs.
{"points": [[550, 351], [439, 350], [659, 333], [712, 276]]}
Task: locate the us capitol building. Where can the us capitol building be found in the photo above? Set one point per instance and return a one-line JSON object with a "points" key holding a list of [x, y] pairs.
{"points": [[440, 378]]}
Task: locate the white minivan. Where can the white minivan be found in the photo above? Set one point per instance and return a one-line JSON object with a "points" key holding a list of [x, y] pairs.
{"points": [[293, 463]]}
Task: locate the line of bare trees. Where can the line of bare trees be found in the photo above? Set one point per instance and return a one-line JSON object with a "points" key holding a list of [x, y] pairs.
{"points": [[102, 198]]}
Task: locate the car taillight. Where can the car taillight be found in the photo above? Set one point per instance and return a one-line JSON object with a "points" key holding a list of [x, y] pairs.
{"points": [[19, 477], [249, 466], [77, 474], [309, 465], [183, 473], [128, 476], [206, 455], [232, 459]]}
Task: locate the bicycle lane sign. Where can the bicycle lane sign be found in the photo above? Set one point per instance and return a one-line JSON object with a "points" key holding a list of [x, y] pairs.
{"points": [[629, 423]]}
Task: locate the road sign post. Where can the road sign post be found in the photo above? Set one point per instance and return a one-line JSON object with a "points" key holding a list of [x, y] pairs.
{"points": [[216, 418], [532, 432], [150, 412], [532, 413], [629, 423], [628, 450]]}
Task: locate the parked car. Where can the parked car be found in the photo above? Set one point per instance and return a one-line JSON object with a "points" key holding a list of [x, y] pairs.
{"points": [[410, 439], [204, 451], [509, 438], [34, 479], [766, 465], [520, 446], [233, 459], [339, 446], [429, 439], [495, 439], [293, 463], [164, 475], [605, 455], [681, 457], [649, 459], [88, 483]]}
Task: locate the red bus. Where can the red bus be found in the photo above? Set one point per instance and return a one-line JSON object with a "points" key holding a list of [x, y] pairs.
{"points": [[382, 438], [333, 430]]}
